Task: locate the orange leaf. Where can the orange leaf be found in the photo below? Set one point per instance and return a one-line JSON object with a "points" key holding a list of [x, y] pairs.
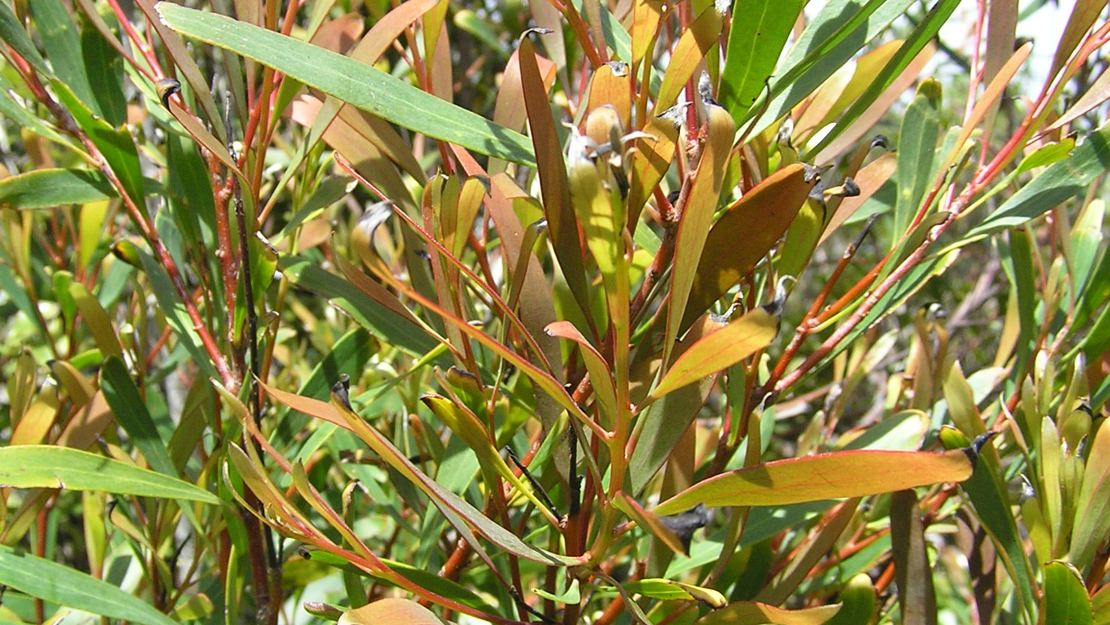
{"points": [[390, 611], [744, 234]]}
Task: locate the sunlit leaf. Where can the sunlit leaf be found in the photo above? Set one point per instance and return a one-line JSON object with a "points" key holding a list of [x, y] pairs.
{"points": [[355, 83], [1092, 507], [718, 350], [46, 466], [744, 234], [1054, 185], [63, 585], [756, 613], [1065, 598], [823, 476], [754, 49]]}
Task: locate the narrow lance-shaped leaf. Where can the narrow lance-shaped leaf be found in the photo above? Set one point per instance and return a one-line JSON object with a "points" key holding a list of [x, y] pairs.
{"points": [[1059, 182], [839, 30], [466, 426], [922, 34], [600, 376], [115, 144], [753, 49], [823, 476], [917, 146], [697, 212], [1092, 509], [721, 349], [13, 33], [62, 585], [688, 53], [46, 466], [912, 574], [47, 188], [447, 500], [131, 412], [355, 83], [987, 492], [744, 234], [552, 172]]}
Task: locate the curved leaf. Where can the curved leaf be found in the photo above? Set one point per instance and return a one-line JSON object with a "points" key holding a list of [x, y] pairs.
{"points": [[47, 188], [1054, 185], [46, 466]]}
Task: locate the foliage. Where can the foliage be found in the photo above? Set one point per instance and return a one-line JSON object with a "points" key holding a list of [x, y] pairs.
{"points": [[571, 311]]}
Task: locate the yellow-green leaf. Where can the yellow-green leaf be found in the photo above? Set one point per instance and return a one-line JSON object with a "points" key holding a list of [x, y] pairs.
{"points": [[823, 476]]}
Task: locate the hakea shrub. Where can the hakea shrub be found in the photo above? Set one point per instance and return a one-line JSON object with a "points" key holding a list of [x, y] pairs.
{"points": [[418, 312]]}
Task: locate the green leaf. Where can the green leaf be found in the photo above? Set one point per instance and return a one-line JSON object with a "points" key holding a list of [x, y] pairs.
{"points": [[384, 322], [669, 590], [839, 30], [1092, 508], [1065, 599], [46, 466], [104, 69], [754, 49], [62, 585], [912, 574], [189, 190], [115, 144], [62, 43], [1060, 182], [991, 505], [174, 310], [572, 594], [1085, 244], [823, 476], [131, 413], [917, 152], [353, 82], [95, 318], [51, 187], [466, 425], [26, 119], [459, 511], [13, 33]]}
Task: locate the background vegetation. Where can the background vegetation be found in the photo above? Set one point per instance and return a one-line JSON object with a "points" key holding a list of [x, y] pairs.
{"points": [[574, 311]]}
